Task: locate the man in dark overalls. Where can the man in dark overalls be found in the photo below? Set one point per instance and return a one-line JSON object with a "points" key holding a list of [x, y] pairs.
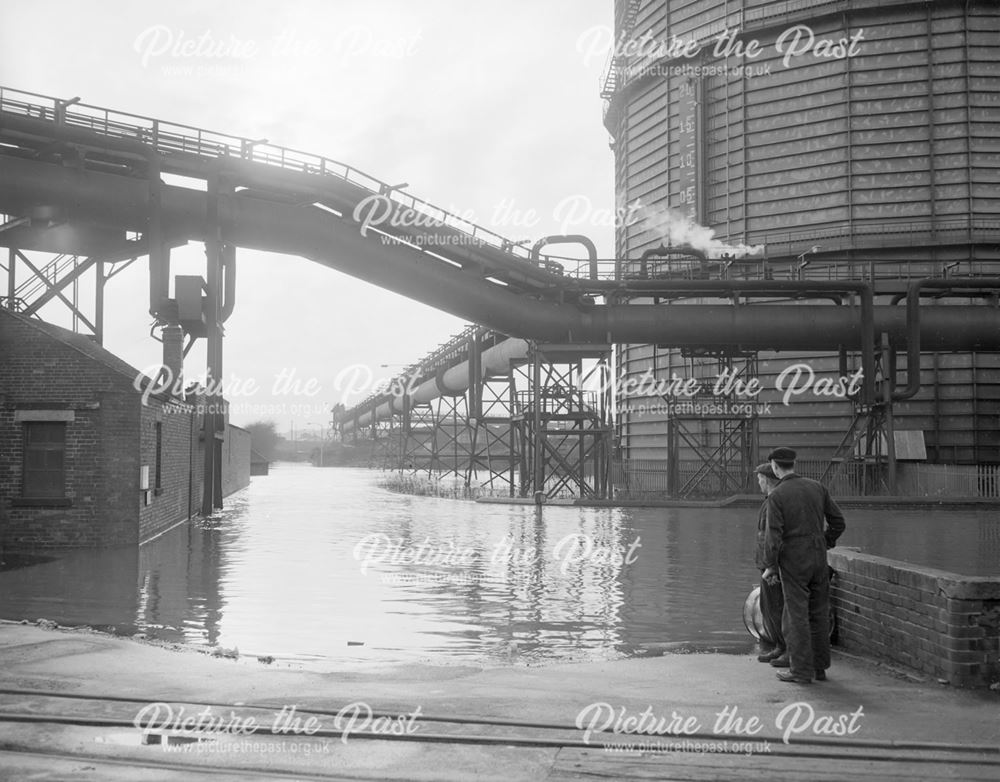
{"points": [[772, 603], [803, 521]]}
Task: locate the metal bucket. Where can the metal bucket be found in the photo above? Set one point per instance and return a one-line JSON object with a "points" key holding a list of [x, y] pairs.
{"points": [[753, 619]]}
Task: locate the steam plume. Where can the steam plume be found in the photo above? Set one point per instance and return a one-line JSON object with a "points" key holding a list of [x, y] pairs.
{"points": [[676, 228]]}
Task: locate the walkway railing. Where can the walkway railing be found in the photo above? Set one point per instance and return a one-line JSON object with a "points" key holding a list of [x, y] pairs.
{"points": [[169, 138]]}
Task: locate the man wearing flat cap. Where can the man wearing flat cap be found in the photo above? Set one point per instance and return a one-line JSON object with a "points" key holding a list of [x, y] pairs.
{"points": [[803, 521]]}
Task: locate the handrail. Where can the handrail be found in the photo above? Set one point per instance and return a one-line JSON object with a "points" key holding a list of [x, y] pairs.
{"points": [[170, 138], [47, 277]]}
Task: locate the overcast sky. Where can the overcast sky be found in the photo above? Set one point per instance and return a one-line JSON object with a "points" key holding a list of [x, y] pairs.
{"points": [[485, 108]]}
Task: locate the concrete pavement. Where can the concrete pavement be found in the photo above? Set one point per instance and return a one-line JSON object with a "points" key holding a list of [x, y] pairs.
{"points": [[669, 705]]}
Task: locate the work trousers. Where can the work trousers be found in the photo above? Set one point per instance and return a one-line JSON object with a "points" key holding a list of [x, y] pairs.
{"points": [[805, 621], [772, 604]]}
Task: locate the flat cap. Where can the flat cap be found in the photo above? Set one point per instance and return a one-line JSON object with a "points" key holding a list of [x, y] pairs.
{"points": [[765, 470], [782, 455]]}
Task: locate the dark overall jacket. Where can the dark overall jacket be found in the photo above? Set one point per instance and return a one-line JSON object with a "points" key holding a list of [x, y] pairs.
{"points": [[803, 521], [800, 509]]}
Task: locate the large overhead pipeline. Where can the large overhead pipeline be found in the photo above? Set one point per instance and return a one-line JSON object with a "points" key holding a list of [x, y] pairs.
{"points": [[588, 245], [914, 314], [254, 222], [663, 251], [452, 381]]}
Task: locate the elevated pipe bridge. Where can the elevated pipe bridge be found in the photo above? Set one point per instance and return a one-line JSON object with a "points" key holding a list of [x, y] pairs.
{"points": [[86, 180], [99, 173]]}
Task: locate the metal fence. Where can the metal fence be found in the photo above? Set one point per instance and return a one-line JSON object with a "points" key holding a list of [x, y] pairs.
{"points": [[950, 480], [650, 479], [637, 478]]}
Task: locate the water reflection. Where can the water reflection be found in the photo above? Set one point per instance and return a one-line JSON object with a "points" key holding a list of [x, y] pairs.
{"points": [[179, 581], [320, 564], [82, 587]]}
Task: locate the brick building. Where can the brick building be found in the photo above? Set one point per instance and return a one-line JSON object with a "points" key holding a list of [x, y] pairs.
{"points": [[88, 459]]}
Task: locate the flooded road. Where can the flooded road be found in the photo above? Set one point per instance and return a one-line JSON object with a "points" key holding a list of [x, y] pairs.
{"points": [[321, 564]]}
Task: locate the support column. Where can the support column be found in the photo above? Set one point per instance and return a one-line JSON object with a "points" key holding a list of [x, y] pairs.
{"points": [[673, 453], [535, 395], [602, 440], [159, 252], [519, 457], [214, 416], [890, 436], [474, 405], [11, 277], [100, 279], [475, 393], [406, 427]]}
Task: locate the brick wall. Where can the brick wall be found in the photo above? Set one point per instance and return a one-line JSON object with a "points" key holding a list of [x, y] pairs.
{"points": [[943, 624], [160, 509], [184, 464], [110, 436], [38, 372], [118, 484]]}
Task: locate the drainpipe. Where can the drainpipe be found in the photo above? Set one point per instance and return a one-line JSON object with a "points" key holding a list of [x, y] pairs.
{"points": [[172, 337], [229, 284]]}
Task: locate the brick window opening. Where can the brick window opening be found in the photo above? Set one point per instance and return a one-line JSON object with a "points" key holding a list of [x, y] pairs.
{"points": [[44, 474]]}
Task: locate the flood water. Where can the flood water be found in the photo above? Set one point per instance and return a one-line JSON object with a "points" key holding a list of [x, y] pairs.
{"points": [[312, 564]]}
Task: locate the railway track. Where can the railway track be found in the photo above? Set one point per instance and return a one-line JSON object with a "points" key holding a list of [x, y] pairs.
{"points": [[111, 714]]}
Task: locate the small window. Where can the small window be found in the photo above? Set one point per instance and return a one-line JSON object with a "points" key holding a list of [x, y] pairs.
{"points": [[44, 459]]}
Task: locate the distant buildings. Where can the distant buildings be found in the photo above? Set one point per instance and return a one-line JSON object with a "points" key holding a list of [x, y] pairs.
{"points": [[258, 464], [86, 458]]}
